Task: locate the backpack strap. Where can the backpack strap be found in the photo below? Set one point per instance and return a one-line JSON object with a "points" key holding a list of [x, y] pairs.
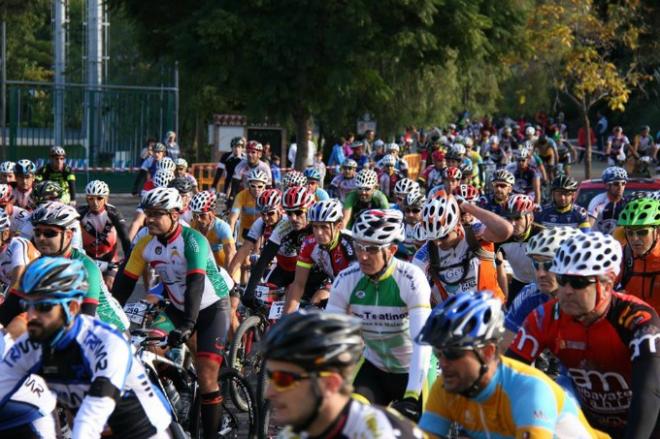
{"points": [[626, 266], [475, 245], [434, 269]]}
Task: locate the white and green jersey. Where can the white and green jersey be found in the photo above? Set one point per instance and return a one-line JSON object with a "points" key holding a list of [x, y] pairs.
{"points": [[393, 310]]}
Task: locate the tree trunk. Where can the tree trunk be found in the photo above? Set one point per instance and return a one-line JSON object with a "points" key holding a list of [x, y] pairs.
{"points": [[301, 119], [587, 152]]}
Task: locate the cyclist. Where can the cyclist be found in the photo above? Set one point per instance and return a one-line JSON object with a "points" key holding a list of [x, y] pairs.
{"points": [[615, 149], [25, 171], [163, 178], [87, 364], [644, 145], [400, 164], [562, 211], [310, 362], [460, 258], [245, 203], [541, 248], [181, 170], [604, 209], [328, 249], [7, 175], [344, 183], [284, 244], [103, 228], [641, 262], [58, 171], [217, 231], [15, 253], [450, 180], [149, 166], [228, 162], [528, 177], [250, 163], [389, 176], [432, 175], [186, 189], [546, 148], [502, 185], [358, 155], [402, 188], [364, 196], [412, 216], [313, 177], [470, 194], [198, 293], [607, 340], [394, 368], [19, 216], [486, 393]]}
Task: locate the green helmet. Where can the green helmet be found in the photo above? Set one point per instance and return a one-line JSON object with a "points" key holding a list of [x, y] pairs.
{"points": [[640, 212]]}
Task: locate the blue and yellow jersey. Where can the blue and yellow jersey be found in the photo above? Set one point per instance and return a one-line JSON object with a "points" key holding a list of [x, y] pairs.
{"points": [[219, 236], [518, 402]]}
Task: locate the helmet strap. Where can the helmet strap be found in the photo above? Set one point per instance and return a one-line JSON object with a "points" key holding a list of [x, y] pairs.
{"points": [[376, 276], [318, 401], [62, 249], [475, 388]]}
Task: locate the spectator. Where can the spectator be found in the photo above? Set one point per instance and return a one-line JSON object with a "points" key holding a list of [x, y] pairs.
{"points": [[350, 138], [173, 150], [582, 140], [337, 157], [601, 130], [311, 150], [275, 170]]}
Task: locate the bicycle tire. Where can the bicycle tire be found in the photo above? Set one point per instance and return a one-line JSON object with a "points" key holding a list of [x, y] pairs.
{"points": [[231, 424], [263, 406], [244, 359]]}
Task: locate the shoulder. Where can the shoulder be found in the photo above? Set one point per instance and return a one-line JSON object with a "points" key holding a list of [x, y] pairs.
{"points": [[350, 274]]}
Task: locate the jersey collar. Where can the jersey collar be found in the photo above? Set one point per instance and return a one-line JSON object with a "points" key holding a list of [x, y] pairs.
{"points": [[487, 391]]}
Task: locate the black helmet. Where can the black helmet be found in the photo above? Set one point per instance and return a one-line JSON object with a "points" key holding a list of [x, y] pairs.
{"points": [[46, 191], [564, 182], [315, 340], [182, 184], [237, 141]]}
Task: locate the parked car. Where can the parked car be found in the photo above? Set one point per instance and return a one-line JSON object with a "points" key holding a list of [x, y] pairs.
{"points": [[590, 188]]}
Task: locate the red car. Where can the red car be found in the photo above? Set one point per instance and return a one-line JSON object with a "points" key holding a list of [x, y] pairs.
{"points": [[590, 188]]}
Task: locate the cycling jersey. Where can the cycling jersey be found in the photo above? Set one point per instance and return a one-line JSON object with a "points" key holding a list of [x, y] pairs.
{"points": [[93, 372], [432, 176], [515, 253], [102, 232], [617, 145], [352, 201], [149, 165], [359, 420], [386, 183], [518, 401], [393, 310], [605, 212], [245, 205], [228, 162], [243, 169], [219, 235], [573, 216], [185, 252], [18, 253], [65, 178], [488, 202], [401, 166], [639, 275], [289, 242], [260, 230], [524, 179], [342, 186], [320, 194], [20, 198], [407, 248], [527, 300], [18, 216], [601, 358], [330, 260]]}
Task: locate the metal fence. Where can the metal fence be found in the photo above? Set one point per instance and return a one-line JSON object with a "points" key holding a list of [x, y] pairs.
{"points": [[106, 126]]}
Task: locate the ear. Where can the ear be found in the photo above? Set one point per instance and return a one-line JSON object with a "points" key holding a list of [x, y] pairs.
{"points": [[332, 383], [74, 307], [489, 352]]}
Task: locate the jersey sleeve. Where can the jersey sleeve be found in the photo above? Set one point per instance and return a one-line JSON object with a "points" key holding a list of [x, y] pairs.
{"points": [[21, 254], [224, 232], [436, 418], [94, 281], [380, 200], [238, 171], [136, 263], [531, 338], [196, 251], [239, 202], [305, 255], [421, 258], [341, 291], [16, 365], [256, 230], [537, 414], [350, 200], [282, 229], [522, 306], [70, 175]]}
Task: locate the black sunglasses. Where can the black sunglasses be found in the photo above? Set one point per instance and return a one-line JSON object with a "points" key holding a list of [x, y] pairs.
{"points": [[298, 212], [49, 233], [43, 307], [637, 233], [450, 354], [545, 265], [577, 282], [413, 210]]}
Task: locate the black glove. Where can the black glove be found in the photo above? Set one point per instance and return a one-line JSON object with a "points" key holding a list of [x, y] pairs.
{"points": [[179, 336], [249, 300], [408, 407]]}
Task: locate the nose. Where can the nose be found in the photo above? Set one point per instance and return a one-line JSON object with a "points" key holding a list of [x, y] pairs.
{"points": [[270, 393]]}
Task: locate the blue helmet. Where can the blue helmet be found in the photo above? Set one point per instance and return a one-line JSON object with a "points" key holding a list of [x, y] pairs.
{"points": [[54, 279], [25, 167], [614, 173], [466, 320], [312, 174]]}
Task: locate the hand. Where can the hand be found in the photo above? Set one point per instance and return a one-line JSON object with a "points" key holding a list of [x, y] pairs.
{"points": [[178, 336], [72, 203], [408, 407]]}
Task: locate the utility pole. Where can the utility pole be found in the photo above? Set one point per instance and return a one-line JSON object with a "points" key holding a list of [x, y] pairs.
{"points": [[59, 34], [94, 75]]}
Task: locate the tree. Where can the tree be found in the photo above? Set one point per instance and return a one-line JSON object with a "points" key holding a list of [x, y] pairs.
{"points": [[294, 59], [589, 51]]}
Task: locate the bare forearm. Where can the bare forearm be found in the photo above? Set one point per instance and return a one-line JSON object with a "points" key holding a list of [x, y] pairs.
{"points": [[498, 229]]}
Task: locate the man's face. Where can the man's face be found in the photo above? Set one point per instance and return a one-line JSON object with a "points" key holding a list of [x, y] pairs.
{"points": [[158, 155], [545, 280], [365, 194], [24, 182], [520, 224], [460, 369], [253, 156], [298, 218], [7, 178], [203, 220], [312, 186], [451, 184], [271, 217], [323, 232], [577, 300], [454, 163], [96, 204], [616, 188], [562, 198], [357, 151], [180, 171], [439, 164], [293, 404], [412, 214], [185, 199], [57, 162], [641, 239], [42, 325], [523, 163], [372, 257], [256, 188], [51, 240], [348, 172], [159, 222]]}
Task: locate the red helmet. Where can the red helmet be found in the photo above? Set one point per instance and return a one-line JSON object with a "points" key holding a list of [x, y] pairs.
{"points": [[518, 205], [468, 192], [269, 199], [438, 155], [297, 197], [253, 145], [453, 172]]}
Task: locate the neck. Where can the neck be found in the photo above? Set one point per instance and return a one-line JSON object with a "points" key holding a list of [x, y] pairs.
{"points": [[328, 416], [598, 312]]}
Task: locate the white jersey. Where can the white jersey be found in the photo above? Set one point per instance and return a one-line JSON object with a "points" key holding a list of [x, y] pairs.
{"points": [[19, 219], [19, 253]]}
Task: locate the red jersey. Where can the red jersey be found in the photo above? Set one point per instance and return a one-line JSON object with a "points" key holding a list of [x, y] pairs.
{"points": [[330, 261], [599, 357]]}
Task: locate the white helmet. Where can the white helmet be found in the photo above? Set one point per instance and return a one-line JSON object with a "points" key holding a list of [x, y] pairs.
{"points": [[366, 178], [405, 186], [547, 242], [54, 213], [469, 142], [326, 211], [458, 149], [5, 222], [7, 167], [520, 153], [163, 178], [530, 131], [393, 147], [379, 226], [258, 174], [293, 178], [419, 233], [165, 164], [388, 160], [441, 216], [379, 144], [588, 254], [97, 188], [181, 163], [57, 151], [163, 198]]}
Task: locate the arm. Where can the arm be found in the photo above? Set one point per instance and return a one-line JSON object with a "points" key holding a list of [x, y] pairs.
{"points": [[421, 355], [536, 184], [267, 255], [497, 228], [234, 268], [119, 223], [645, 404], [127, 278], [296, 290], [139, 181], [137, 223], [94, 282], [347, 217], [233, 217], [229, 249], [218, 175], [197, 252]]}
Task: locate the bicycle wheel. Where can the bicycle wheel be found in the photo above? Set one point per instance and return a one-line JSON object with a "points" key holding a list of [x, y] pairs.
{"points": [[235, 420], [243, 356], [265, 429]]}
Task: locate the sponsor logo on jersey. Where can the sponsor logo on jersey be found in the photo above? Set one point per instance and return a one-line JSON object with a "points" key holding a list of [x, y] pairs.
{"points": [[650, 340], [159, 250]]}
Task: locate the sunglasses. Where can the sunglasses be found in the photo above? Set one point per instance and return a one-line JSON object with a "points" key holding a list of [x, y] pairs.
{"points": [[154, 213], [257, 186], [48, 233], [95, 198], [545, 265], [618, 183], [42, 307], [299, 212], [371, 249], [283, 380], [201, 215], [451, 354], [637, 233], [577, 282], [413, 210], [364, 189], [270, 213], [501, 185]]}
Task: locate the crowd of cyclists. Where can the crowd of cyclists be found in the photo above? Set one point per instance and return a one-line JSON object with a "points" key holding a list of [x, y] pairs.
{"points": [[477, 300]]}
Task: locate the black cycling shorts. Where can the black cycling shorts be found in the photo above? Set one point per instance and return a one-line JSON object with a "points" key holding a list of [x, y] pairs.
{"points": [[283, 278], [378, 386]]}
